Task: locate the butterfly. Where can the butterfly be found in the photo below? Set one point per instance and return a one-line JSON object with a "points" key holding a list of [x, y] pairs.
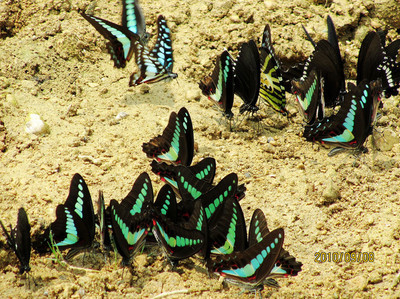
{"points": [[249, 268], [104, 218], [328, 60], [374, 63], [122, 39], [286, 264], [219, 86], [176, 144], [247, 76], [272, 89], [352, 124], [181, 239], [131, 219], [204, 170], [155, 64], [328, 63], [74, 226], [310, 96], [19, 239]]}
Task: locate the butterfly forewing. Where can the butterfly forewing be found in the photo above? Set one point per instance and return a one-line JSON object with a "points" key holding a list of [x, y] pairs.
{"points": [[228, 232], [121, 41], [247, 76], [272, 89], [133, 19]]}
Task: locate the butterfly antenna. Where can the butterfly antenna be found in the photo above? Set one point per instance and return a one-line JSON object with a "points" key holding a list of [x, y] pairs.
{"points": [[308, 36]]}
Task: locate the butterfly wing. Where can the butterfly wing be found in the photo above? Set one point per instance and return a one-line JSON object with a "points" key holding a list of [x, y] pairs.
{"points": [[247, 76], [121, 41], [228, 232], [272, 89], [165, 203], [219, 86], [374, 63], [204, 170], [80, 202], [133, 19]]}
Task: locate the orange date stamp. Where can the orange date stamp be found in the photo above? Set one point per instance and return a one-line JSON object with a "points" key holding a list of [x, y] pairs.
{"points": [[347, 257]]}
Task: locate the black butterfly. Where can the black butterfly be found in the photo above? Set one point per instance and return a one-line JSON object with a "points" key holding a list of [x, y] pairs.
{"points": [[247, 76], [204, 170], [176, 144], [122, 39], [373, 63], [272, 89], [19, 239], [219, 86], [286, 264], [249, 268], [104, 218], [131, 219], [310, 96], [156, 64], [329, 64], [350, 127]]}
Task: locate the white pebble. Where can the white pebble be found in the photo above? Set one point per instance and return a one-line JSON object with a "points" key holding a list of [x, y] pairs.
{"points": [[36, 125]]}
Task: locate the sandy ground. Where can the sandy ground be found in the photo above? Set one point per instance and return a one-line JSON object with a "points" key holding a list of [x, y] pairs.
{"points": [[55, 64]]}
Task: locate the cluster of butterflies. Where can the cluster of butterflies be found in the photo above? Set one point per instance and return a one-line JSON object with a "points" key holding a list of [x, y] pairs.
{"points": [[131, 38], [251, 76], [317, 83], [190, 215]]}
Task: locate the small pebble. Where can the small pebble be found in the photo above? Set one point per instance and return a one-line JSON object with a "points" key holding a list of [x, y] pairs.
{"points": [[36, 125], [121, 115]]}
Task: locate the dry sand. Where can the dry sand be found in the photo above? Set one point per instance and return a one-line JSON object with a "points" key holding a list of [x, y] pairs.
{"points": [[55, 64]]}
